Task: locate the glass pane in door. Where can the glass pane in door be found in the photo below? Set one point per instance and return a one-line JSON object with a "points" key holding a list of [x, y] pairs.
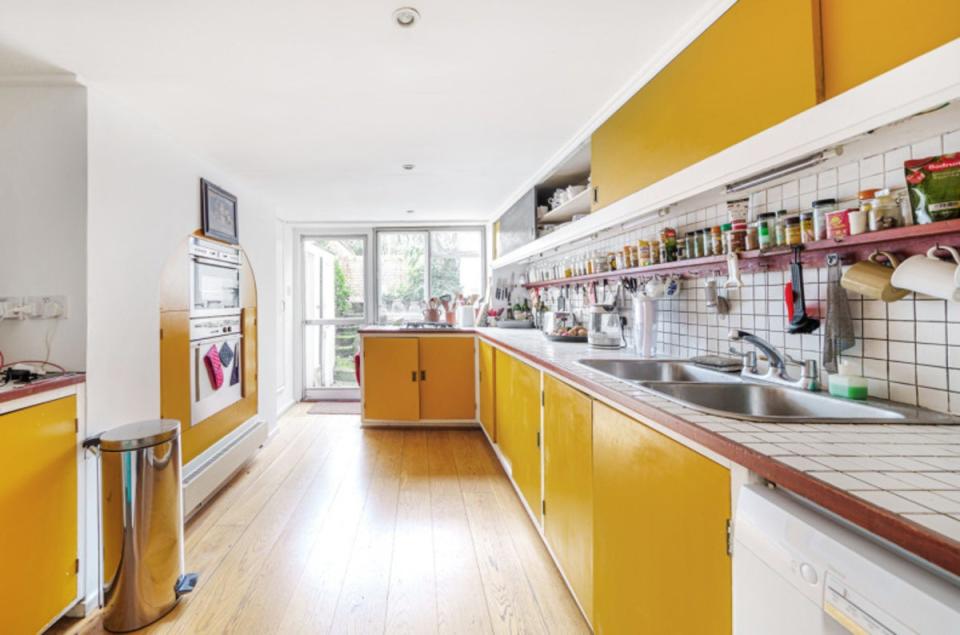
{"points": [[401, 268], [333, 275], [330, 350]]}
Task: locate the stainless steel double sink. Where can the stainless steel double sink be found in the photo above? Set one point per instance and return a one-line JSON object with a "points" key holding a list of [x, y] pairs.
{"points": [[732, 395]]}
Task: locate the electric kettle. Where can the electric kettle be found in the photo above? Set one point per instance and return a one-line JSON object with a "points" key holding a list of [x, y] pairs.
{"points": [[605, 327]]}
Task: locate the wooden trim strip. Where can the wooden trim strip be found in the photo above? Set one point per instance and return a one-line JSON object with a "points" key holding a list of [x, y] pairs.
{"points": [[42, 385]]}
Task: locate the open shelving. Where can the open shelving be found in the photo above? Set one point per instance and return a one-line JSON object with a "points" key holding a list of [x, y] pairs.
{"points": [[901, 241], [579, 204]]}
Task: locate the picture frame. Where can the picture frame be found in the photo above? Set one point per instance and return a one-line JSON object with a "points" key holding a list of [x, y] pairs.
{"points": [[218, 212]]}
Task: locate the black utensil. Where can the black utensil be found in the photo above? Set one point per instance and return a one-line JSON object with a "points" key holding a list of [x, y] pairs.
{"points": [[801, 322]]}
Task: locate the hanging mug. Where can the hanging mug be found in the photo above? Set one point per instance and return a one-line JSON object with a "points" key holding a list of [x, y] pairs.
{"points": [[672, 286], [930, 275], [872, 279], [654, 288]]}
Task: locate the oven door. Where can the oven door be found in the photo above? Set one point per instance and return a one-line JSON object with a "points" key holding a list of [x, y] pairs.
{"points": [[211, 392], [214, 288]]}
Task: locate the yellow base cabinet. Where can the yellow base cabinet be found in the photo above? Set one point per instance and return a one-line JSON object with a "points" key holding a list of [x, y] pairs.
{"points": [[419, 379], [447, 385], [391, 369], [488, 417], [660, 537], [568, 484], [518, 424], [38, 508]]}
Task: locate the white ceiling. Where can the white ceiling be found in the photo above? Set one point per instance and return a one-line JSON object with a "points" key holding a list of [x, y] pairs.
{"points": [[318, 103]]}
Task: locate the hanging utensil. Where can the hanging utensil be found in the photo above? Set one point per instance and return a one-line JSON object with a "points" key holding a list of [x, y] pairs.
{"points": [[801, 322], [838, 333]]}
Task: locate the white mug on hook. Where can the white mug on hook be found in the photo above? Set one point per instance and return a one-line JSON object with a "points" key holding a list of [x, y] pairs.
{"points": [[929, 275]]}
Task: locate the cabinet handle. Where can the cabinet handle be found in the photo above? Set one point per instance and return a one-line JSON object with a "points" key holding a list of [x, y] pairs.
{"points": [[413, 375], [423, 375]]}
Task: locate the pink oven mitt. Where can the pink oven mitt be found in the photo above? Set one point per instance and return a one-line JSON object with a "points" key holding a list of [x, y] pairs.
{"points": [[214, 367]]}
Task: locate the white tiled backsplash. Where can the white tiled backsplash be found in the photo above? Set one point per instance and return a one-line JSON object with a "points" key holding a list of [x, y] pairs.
{"points": [[909, 350]]}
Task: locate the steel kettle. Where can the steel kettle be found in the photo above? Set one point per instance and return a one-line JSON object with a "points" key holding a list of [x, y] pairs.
{"points": [[605, 327]]}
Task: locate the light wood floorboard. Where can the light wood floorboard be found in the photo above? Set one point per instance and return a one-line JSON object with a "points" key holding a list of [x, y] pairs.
{"points": [[335, 529]]}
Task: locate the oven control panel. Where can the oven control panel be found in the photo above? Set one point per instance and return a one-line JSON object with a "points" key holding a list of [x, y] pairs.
{"points": [[207, 327]]}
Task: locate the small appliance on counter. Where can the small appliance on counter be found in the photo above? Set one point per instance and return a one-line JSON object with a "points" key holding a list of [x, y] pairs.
{"points": [[605, 328]]}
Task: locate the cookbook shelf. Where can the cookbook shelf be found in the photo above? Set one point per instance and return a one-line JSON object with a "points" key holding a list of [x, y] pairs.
{"points": [[901, 241]]}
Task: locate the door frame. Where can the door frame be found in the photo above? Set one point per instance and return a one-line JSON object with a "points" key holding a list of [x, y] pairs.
{"points": [[300, 237]]}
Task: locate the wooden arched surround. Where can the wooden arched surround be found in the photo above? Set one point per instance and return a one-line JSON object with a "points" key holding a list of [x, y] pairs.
{"points": [[175, 354]]}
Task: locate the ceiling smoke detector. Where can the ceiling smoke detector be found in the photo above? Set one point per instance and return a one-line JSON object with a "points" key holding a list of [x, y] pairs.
{"points": [[406, 17]]}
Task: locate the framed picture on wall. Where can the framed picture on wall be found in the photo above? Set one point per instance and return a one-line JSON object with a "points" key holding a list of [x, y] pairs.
{"points": [[218, 209]]}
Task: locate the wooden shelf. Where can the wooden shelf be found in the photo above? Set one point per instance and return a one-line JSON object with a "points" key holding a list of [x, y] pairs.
{"points": [[901, 241], [579, 204]]}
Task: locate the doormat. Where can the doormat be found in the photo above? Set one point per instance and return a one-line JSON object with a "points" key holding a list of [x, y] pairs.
{"points": [[335, 408]]}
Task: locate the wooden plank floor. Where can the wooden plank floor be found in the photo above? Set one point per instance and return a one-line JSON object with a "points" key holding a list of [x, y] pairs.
{"points": [[337, 529]]}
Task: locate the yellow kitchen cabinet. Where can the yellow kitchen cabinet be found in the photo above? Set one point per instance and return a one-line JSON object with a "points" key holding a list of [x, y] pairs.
{"points": [[568, 484], [391, 387], [488, 417], [660, 533], [38, 505], [865, 38], [756, 66], [518, 424], [447, 379]]}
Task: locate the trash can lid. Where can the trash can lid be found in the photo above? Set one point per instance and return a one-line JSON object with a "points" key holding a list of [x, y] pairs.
{"points": [[141, 434]]}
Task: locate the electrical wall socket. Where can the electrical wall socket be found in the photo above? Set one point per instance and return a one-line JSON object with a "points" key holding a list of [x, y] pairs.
{"points": [[45, 307]]}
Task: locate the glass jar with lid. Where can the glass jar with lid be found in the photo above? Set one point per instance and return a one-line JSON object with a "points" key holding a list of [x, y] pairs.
{"points": [[792, 234], [820, 209], [806, 226], [766, 230], [884, 211]]}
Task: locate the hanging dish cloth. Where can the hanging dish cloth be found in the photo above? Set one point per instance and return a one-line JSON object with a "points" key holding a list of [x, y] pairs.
{"points": [[214, 367], [235, 374], [226, 354], [838, 335]]}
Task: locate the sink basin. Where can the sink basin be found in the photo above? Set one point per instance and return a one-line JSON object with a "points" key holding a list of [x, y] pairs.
{"points": [[769, 402], [658, 370]]}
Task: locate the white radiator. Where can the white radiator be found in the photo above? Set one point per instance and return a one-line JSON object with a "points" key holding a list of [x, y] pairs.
{"points": [[207, 473]]}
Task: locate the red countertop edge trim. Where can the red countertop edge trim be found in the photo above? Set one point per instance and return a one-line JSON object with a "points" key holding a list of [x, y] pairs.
{"points": [[913, 537], [41, 386]]}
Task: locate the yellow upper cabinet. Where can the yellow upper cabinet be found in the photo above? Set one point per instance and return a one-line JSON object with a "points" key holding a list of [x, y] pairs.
{"points": [[865, 38], [568, 484], [488, 391], [447, 385], [756, 66], [391, 387], [518, 424], [38, 505], [660, 514]]}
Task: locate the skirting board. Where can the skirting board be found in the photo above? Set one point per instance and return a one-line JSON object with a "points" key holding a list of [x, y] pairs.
{"points": [[207, 473]]}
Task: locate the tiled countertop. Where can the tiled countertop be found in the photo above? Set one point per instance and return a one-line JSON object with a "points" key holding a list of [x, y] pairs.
{"points": [[899, 481], [18, 391]]}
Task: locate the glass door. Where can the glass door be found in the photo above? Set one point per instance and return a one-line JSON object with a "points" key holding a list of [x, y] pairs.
{"points": [[334, 309]]}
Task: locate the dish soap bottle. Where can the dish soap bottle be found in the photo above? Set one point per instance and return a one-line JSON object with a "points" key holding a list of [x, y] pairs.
{"points": [[847, 384]]}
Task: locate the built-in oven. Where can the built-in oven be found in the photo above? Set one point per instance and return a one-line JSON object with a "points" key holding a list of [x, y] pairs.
{"points": [[216, 373], [214, 278]]}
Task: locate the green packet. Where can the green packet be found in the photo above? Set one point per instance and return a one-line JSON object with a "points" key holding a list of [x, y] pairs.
{"points": [[934, 185]]}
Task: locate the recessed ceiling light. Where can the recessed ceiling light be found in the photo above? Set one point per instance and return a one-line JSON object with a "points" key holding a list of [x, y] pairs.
{"points": [[409, 211], [406, 16], [408, 166]]}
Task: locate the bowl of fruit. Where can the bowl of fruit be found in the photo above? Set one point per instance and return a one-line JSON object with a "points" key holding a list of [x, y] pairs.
{"points": [[564, 333]]}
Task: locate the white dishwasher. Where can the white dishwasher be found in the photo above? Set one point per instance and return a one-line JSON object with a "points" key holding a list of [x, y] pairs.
{"points": [[796, 571]]}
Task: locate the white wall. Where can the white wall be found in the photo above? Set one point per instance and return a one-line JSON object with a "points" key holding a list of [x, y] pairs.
{"points": [[43, 184]]}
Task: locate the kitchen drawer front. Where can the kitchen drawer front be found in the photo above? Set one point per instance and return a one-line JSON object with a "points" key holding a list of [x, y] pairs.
{"points": [[38, 505], [756, 66]]}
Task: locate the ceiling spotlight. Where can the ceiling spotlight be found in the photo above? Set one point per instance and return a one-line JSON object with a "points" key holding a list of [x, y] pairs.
{"points": [[408, 166], [409, 211], [406, 16]]}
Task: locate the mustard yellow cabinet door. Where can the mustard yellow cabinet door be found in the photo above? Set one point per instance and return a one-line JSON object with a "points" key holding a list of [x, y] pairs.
{"points": [[917, 29], [518, 424], [391, 384], [660, 551], [756, 66], [488, 417], [448, 386], [568, 484], [38, 505]]}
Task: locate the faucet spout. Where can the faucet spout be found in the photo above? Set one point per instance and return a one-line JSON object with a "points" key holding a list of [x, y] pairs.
{"points": [[776, 359]]}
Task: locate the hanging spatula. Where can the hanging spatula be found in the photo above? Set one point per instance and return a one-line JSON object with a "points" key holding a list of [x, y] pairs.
{"points": [[801, 322]]}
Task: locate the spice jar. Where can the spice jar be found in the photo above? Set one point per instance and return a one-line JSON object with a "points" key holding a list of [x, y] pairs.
{"points": [[611, 261], [716, 240], [806, 226], [884, 212], [791, 230], [698, 244], [689, 248], [780, 237], [654, 252], [751, 237], [643, 253], [668, 244], [766, 230], [820, 210], [736, 240]]}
